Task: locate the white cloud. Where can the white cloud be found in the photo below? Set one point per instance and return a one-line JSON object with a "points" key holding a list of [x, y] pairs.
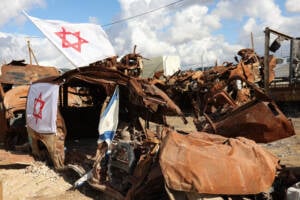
{"points": [[193, 23], [93, 20], [189, 29], [292, 5], [254, 16], [11, 48], [14, 47], [11, 9], [185, 29]]}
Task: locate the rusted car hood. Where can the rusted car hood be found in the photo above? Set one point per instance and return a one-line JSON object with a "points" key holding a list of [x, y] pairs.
{"points": [[25, 74], [15, 99], [261, 121], [212, 164]]}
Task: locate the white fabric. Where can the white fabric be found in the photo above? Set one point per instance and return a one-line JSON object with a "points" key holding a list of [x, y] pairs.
{"points": [[41, 109], [171, 65], [109, 119], [83, 44]]}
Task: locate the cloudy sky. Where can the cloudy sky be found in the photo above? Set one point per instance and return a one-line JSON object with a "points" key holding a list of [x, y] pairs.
{"points": [[199, 31]]}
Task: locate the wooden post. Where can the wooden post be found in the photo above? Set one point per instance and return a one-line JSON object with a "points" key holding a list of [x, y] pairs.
{"points": [[29, 52]]}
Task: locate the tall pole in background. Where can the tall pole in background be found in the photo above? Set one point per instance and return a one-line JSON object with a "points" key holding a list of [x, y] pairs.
{"points": [[252, 42], [31, 54], [202, 61], [266, 63], [28, 46]]}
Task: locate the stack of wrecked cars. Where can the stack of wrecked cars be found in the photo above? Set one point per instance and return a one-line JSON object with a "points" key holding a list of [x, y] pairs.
{"points": [[147, 158], [229, 99]]}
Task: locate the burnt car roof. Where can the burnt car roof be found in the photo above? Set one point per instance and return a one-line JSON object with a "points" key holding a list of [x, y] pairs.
{"points": [[140, 91], [19, 73]]}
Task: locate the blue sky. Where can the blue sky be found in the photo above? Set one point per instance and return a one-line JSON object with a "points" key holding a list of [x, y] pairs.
{"points": [[216, 29], [67, 10]]}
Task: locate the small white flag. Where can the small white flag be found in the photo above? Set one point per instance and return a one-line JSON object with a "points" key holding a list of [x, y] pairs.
{"points": [[82, 43], [109, 119], [41, 109]]}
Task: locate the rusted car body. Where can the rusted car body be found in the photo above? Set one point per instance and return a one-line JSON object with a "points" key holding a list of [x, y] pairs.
{"points": [[15, 80], [258, 119], [135, 164], [212, 164], [228, 99], [96, 84], [77, 122]]}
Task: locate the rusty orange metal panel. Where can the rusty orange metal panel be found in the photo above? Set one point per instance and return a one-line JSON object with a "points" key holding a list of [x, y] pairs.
{"points": [[10, 158], [260, 121], [15, 99], [285, 92], [20, 75], [212, 164]]}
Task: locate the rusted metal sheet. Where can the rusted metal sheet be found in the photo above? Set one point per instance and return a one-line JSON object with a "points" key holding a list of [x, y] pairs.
{"points": [[54, 150], [261, 121], [257, 117], [12, 158], [15, 100], [19, 73], [15, 78], [285, 92], [248, 66], [212, 164]]}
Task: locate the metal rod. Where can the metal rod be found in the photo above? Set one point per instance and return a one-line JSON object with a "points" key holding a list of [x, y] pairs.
{"points": [[278, 33], [252, 42], [266, 63], [291, 71]]}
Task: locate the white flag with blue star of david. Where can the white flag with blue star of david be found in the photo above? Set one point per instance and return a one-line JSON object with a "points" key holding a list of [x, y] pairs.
{"points": [[109, 119]]}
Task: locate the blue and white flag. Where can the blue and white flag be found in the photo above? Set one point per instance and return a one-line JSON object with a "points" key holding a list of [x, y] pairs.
{"points": [[109, 119]]}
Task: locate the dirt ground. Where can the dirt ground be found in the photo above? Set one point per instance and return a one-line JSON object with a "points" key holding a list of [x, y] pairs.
{"points": [[39, 182]]}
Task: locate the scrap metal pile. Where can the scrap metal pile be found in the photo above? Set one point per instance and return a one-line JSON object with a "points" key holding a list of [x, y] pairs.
{"points": [[148, 159], [228, 99]]}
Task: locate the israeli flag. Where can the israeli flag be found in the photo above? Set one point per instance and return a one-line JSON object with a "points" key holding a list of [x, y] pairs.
{"points": [[109, 119]]}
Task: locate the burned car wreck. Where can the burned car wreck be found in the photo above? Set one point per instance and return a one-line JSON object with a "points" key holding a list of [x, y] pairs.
{"points": [[146, 158], [229, 99], [15, 80], [82, 94]]}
